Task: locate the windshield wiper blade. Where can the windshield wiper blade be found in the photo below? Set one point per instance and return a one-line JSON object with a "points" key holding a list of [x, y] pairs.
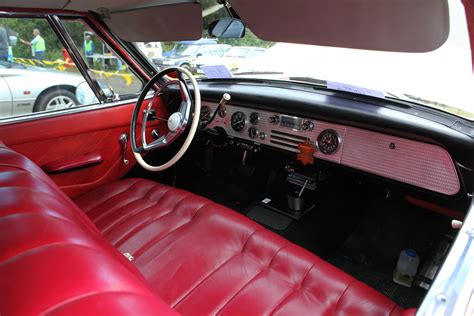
{"points": [[258, 72]]}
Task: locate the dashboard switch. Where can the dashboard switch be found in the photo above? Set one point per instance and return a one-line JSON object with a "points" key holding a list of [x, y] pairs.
{"points": [[307, 126], [274, 119], [252, 132]]}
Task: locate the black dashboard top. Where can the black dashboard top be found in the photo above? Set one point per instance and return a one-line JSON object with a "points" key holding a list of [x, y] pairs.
{"points": [[399, 118]]}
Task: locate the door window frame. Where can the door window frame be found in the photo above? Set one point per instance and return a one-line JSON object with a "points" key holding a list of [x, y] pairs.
{"points": [[136, 63]]}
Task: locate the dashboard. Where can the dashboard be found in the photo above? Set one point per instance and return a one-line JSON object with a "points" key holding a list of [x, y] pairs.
{"points": [[413, 162]]}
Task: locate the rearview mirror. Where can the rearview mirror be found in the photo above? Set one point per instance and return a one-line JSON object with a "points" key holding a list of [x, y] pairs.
{"points": [[227, 28]]}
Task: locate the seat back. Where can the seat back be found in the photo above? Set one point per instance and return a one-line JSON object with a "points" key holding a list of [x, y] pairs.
{"points": [[53, 259]]}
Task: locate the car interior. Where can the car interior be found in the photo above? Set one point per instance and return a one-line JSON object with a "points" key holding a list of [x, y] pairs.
{"points": [[168, 193]]}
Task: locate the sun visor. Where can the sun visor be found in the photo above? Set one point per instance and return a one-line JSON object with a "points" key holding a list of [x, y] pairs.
{"points": [[47, 4], [384, 25], [148, 21]]}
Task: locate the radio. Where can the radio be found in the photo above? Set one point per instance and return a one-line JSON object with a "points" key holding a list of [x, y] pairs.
{"points": [[292, 122]]}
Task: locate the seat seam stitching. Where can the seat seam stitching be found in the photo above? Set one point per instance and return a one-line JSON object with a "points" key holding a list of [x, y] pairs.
{"points": [[293, 291], [241, 251], [29, 251], [146, 222], [150, 244], [266, 268], [342, 294], [128, 215], [112, 196], [86, 296]]}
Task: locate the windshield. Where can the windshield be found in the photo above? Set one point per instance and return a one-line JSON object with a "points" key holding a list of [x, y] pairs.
{"points": [[440, 79], [237, 52], [184, 50]]}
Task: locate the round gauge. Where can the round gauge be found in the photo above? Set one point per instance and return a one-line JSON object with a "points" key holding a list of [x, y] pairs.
{"points": [[237, 121], [205, 114], [328, 141], [254, 118]]}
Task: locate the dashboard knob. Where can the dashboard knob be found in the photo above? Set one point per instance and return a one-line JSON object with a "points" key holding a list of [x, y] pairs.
{"points": [[252, 132], [307, 126], [262, 135], [274, 119]]}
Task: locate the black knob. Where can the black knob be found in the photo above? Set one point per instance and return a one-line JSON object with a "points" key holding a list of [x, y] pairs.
{"points": [[252, 132], [307, 126], [274, 119]]}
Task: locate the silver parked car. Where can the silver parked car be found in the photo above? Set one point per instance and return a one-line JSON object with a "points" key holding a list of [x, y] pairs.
{"points": [[27, 89]]}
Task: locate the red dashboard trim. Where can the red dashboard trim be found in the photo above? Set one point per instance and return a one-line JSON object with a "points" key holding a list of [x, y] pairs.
{"points": [[435, 208]]}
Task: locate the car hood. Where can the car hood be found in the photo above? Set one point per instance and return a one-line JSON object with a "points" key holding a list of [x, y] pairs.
{"points": [[43, 74]]}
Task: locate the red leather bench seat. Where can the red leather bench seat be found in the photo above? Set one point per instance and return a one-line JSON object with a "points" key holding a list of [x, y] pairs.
{"points": [[52, 258], [203, 258], [196, 256]]}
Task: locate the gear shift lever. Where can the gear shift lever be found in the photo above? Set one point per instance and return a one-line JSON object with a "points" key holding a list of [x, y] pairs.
{"points": [[225, 98]]}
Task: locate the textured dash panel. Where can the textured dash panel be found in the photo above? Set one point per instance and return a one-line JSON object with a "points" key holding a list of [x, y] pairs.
{"points": [[420, 164], [264, 126]]}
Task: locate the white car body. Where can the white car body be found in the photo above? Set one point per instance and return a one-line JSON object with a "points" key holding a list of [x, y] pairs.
{"points": [[233, 59], [19, 88], [150, 49]]}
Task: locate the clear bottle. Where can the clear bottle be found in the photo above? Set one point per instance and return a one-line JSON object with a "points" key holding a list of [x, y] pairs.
{"points": [[407, 266]]}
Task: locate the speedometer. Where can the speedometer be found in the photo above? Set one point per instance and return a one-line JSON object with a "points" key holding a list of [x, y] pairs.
{"points": [[328, 141], [237, 121]]}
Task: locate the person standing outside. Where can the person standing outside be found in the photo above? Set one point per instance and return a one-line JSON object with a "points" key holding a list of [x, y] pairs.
{"points": [[89, 49], [37, 44], [3, 44]]}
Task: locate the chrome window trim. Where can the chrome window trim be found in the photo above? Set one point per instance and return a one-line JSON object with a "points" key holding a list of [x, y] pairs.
{"points": [[73, 51]]}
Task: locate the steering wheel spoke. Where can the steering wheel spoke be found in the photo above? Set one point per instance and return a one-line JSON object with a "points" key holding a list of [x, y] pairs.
{"points": [[177, 121]]}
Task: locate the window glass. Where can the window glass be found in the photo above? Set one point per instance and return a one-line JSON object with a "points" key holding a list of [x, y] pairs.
{"points": [[112, 73], [237, 52], [36, 72], [442, 79], [205, 51]]}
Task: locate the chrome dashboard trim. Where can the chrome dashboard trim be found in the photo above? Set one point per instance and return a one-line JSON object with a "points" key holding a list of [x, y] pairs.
{"points": [[412, 162]]}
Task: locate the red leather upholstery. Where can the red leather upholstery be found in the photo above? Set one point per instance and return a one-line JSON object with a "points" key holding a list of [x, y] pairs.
{"points": [[203, 258], [53, 260], [199, 257]]}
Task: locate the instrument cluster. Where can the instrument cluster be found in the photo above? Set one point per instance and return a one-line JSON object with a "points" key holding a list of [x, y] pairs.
{"points": [[275, 129]]}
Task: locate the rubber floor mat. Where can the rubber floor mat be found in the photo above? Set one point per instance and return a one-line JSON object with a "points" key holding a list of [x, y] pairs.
{"points": [[269, 218]]}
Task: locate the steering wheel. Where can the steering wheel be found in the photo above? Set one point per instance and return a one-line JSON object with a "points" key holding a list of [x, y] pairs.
{"points": [[177, 122]]}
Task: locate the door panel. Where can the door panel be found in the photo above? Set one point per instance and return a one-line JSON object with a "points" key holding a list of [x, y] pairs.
{"points": [[77, 135]]}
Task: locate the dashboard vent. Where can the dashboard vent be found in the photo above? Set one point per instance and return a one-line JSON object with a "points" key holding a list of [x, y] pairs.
{"points": [[286, 140]]}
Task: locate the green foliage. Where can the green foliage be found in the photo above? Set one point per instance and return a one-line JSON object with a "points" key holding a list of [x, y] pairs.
{"points": [[24, 28]]}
